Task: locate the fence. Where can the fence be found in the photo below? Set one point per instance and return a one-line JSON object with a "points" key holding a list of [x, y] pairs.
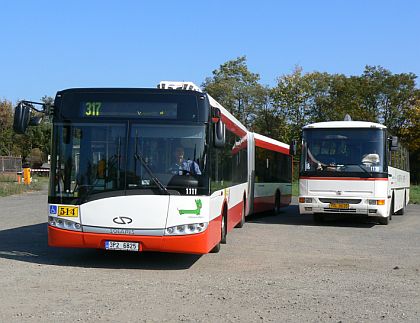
{"points": [[9, 164]]}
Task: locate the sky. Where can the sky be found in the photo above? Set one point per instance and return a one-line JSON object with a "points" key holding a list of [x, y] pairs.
{"points": [[47, 46]]}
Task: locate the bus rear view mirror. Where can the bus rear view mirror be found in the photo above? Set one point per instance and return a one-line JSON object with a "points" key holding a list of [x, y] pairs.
{"points": [[393, 143], [219, 134], [21, 118]]}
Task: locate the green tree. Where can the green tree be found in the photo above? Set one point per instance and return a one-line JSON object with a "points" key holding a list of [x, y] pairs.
{"points": [[6, 131], [292, 101], [237, 89]]}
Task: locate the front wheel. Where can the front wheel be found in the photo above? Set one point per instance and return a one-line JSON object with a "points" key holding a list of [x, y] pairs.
{"points": [[224, 229], [383, 221], [217, 247], [242, 222], [318, 218]]}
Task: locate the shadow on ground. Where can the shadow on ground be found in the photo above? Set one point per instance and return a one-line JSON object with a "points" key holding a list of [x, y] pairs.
{"points": [[29, 244], [290, 216]]}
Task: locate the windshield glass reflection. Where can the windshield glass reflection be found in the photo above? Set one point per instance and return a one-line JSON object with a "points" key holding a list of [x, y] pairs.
{"points": [[343, 150], [98, 158]]}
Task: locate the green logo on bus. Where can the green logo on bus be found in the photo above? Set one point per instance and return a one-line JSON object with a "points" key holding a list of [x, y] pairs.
{"points": [[196, 211]]}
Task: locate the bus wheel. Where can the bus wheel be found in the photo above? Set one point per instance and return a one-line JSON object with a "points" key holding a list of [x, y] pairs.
{"points": [[216, 248], [383, 221], [224, 228], [318, 218], [242, 222], [277, 203]]}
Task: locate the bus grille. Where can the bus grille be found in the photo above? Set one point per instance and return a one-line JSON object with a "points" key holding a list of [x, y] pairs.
{"points": [[348, 201], [326, 209]]}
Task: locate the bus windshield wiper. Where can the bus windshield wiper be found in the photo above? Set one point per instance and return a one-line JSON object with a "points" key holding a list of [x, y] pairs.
{"points": [[152, 176]]}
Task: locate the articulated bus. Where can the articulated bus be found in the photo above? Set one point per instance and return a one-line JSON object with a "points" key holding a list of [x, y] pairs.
{"points": [[113, 184], [352, 167]]}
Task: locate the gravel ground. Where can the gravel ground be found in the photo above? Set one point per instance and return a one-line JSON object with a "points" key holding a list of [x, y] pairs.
{"points": [[276, 268]]}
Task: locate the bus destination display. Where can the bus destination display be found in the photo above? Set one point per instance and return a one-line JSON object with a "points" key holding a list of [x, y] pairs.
{"points": [[147, 110]]}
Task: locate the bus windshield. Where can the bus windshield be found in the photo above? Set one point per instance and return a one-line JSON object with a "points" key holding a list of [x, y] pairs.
{"points": [[93, 159], [338, 151]]}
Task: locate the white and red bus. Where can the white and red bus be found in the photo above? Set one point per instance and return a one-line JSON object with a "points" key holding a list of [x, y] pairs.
{"points": [[352, 167], [112, 183]]}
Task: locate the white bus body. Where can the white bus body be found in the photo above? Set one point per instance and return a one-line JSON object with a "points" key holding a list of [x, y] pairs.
{"points": [[110, 188], [346, 169]]}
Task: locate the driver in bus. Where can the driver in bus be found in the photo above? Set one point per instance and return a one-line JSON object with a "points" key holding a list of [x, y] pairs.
{"points": [[184, 166]]}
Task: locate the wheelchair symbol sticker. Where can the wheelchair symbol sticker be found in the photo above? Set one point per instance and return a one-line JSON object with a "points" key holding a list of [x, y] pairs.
{"points": [[53, 209]]}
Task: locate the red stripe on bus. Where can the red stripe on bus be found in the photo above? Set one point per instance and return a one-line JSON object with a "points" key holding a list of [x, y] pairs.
{"points": [[199, 243], [268, 145], [344, 178], [233, 127]]}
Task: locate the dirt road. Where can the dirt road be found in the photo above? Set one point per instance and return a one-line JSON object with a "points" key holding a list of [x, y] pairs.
{"points": [[276, 268]]}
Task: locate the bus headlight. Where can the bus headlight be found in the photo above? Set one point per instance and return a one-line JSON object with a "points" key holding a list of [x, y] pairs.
{"points": [[64, 224], [186, 229]]}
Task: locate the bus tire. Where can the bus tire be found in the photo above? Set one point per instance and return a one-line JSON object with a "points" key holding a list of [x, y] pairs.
{"points": [[224, 227], [216, 248], [242, 222], [318, 218], [277, 202], [384, 220]]}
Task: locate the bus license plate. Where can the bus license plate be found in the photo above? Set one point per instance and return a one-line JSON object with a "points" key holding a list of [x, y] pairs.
{"points": [[72, 211], [120, 245], [339, 205]]}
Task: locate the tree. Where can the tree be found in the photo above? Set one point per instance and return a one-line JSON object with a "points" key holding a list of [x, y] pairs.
{"points": [[237, 89], [6, 133], [291, 100]]}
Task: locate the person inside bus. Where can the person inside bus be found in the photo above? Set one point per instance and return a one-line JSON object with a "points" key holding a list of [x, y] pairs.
{"points": [[184, 166]]}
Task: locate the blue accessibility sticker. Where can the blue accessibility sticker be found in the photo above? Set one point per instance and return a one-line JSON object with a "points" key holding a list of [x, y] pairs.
{"points": [[53, 209]]}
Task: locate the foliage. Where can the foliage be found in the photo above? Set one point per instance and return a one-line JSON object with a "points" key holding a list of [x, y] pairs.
{"points": [[415, 194], [237, 89], [280, 112], [301, 98]]}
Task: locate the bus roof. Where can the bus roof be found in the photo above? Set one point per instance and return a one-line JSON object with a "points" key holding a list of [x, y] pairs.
{"points": [[344, 124], [126, 90], [271, 141]]}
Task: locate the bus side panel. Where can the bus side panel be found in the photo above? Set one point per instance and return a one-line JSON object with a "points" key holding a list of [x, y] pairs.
{"points": [[400, 187]]}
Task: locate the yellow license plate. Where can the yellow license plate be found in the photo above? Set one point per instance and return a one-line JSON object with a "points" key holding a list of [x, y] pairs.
{"points": [[339, 205], [68, 211]]}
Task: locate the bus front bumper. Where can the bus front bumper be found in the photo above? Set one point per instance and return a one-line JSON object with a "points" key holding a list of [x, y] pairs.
{"points": [[200, 243], [367, 207]]}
